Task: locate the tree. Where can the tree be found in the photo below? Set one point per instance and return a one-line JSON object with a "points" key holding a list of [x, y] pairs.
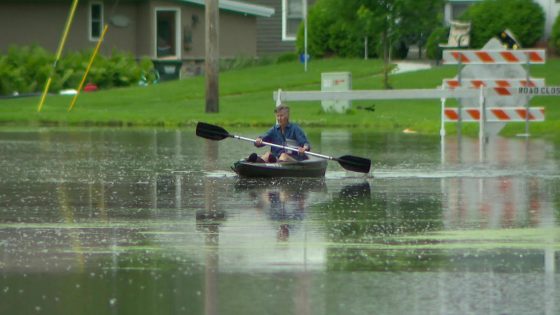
{"points": [[525, 18], [340, 26], [418, 19]]}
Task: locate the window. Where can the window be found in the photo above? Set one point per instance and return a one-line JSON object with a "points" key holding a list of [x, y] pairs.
{"points": [[167, 33], [95, 20], [292, 16]]}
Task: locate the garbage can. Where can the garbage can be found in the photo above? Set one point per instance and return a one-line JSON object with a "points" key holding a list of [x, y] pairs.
{"points": [[336, 81], [168, 69]]}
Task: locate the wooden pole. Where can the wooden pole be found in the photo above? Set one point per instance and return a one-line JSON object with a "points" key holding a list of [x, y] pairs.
{"points": [[212, 56]]}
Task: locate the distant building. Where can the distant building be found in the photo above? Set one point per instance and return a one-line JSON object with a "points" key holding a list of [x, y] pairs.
{"points": [[454, 9]]}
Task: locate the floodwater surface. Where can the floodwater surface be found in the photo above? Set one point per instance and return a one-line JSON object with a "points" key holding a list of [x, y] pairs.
{"points": [[142, 221]]}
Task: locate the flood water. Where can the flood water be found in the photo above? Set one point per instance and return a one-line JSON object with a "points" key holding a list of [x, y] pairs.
{"points": [[147, 221]]}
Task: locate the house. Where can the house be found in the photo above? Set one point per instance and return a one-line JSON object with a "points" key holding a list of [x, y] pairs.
{"points": [[277, 34], [158, 29], [454, 9]]}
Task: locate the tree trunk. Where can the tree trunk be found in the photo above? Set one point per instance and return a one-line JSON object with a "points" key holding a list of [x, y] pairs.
{"points": [[385, 44]]}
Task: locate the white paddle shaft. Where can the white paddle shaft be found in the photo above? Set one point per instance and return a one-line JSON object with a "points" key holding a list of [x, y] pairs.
{"points": [[285, 147]]}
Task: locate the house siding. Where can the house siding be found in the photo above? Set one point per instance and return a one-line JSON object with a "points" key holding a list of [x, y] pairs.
{"points": [[269, 30], [43, 23], [25, 24]]}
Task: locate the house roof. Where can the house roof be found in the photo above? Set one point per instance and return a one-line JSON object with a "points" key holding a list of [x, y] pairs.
{"points": [[230, 5], [239, 7]]}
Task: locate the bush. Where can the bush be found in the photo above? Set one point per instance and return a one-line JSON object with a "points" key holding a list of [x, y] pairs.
{"points": [[525, 18], [26, 69], [439, 35], [555, 36]]}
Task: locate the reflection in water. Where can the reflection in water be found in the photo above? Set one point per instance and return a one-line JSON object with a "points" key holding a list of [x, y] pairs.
{"points": [[152, 221], [283, 200]]}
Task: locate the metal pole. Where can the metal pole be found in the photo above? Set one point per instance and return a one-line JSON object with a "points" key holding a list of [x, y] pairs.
{"points": [[528, 97], [92, 58], [58, 53], [459, 106]]}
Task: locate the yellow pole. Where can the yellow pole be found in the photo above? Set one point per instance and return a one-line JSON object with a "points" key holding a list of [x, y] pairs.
{"points": [[88, 67], [59, 52]]}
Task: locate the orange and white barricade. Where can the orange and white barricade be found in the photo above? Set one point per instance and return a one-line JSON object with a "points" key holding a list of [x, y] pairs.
{"points": [[495, 114], [533, 56]]}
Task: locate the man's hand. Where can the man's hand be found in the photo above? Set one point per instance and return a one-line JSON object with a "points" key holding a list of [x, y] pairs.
{"points": [[258, 141], [301, 150]]}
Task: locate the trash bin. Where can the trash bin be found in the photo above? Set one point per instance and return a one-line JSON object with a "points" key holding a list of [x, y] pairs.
{"points": [[336, 81], [168, 69]]}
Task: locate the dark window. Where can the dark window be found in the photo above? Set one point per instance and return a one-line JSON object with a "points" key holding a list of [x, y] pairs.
{"points": [[166, 33], [96, 20]]}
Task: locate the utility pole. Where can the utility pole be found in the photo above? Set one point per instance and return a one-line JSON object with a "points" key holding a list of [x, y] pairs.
{"points": [[305, 57], [212, 56]]}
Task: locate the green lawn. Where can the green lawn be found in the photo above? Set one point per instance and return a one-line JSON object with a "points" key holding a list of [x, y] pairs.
{"points": [[246, 100]]}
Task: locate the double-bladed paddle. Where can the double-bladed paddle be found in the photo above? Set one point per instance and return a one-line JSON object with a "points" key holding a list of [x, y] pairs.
{"points": [[349, 162]]}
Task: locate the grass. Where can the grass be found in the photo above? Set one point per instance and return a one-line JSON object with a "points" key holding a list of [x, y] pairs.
{"points": [[246, 100]]}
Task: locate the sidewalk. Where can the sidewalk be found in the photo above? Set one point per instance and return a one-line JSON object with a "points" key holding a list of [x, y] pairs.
{"points": [[409, 66]]}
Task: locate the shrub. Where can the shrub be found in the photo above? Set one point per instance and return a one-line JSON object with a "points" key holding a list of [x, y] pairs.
{"points": [[555, 36], [525, 18], [26, 69], [438, 36]]}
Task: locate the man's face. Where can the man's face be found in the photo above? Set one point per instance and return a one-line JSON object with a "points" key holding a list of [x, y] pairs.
{"points": [[283, 117]]}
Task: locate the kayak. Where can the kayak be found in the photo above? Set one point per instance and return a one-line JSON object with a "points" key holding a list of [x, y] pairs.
{"points": [[308, 168]]}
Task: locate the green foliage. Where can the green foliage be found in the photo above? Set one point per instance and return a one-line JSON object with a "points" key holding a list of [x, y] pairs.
{"points": [[438, 36], [555, 36], [525, 18], [339, 27], [26, 69]]}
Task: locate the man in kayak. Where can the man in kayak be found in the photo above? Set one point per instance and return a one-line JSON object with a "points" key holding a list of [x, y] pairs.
{"points": [[282, 133]]}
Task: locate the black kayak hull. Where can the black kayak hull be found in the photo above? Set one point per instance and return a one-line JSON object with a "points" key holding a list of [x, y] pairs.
{"points": [[307, 168]]}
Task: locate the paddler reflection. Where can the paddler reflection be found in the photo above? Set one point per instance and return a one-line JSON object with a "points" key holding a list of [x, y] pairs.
{"points": [[283, 202]]}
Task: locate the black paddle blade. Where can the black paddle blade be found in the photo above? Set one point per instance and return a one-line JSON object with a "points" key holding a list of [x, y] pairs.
{"points": [[211, 132], [355, 163]]}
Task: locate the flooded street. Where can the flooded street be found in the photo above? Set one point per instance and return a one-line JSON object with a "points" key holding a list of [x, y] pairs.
{"points": [[149, 221]]}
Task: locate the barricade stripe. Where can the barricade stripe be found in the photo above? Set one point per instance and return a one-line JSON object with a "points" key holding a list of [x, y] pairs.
{"points": [[453, 83], [500, 114], [503, 83], [478, 83], [474, 113], [485, 57], [451, 113], [460, 57], [535, 56], [508, 56], [502, 91], [523, 113]]}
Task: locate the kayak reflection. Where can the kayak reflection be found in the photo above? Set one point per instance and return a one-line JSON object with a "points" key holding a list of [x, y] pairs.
{"points": [[282, 200]]}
